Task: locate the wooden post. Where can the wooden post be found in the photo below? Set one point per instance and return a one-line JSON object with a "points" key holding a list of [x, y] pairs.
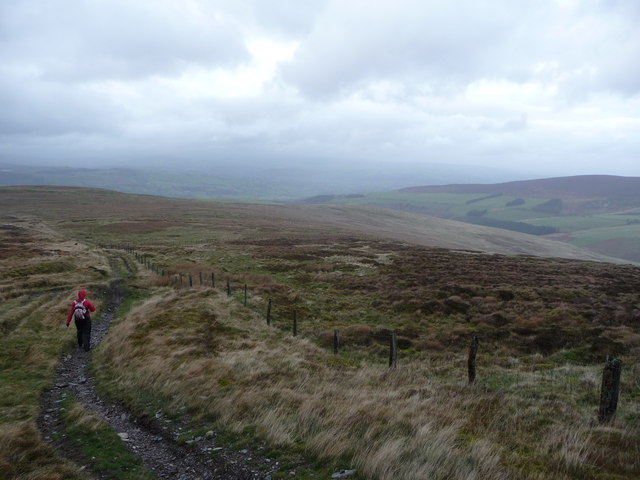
{"points": [[228, 287], [200, 278], [471, 362], [245, 294], [610, 390], [213, 280], [180, 280], [295, 324], [269, 313], [393, 350], [190, 281], [336, 340]]}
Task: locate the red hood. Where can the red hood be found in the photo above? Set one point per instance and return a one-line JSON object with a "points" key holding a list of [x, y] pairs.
{"points": [[82, 294]]}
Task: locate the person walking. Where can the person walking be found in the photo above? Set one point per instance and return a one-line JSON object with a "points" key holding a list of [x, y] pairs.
{"points": [[81, 312]]}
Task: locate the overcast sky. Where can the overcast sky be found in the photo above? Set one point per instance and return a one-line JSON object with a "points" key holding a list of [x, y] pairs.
{"points": [[545, 85]]}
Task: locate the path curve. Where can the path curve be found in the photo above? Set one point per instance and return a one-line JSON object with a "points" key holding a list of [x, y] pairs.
{"points": [[153, 440]]}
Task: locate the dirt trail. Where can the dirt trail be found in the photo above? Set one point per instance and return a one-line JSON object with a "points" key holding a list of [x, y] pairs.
{"points": [[153, 440]]}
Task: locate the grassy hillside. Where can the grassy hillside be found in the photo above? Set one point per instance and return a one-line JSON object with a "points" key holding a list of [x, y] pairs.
{"points": [[545, 327], [601, 213]]}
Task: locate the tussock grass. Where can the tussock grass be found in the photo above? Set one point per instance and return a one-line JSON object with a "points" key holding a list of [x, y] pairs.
{"points": [[545, 326], [419, 421], [24, 456], [35, 292]]}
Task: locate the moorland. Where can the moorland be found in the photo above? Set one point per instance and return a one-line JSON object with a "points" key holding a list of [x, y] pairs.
{"points": [[547, 314]]}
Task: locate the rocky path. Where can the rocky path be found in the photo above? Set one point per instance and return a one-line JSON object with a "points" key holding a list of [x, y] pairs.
{"points": [[153, 440]]}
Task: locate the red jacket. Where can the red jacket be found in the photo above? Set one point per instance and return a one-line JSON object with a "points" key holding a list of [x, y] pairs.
{"points": [[87, 304]]}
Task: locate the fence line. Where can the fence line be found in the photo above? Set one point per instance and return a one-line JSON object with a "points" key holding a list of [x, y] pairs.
{"points": [[609, 392]]}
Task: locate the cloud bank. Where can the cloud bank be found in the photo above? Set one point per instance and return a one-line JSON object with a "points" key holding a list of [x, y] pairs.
{"points": [[546, 86]]}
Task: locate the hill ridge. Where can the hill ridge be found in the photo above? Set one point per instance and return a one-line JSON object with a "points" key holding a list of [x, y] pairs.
{"points": [[578, 186]]}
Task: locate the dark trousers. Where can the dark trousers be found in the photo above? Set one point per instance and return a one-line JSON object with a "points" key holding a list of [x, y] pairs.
{"points": [[84, 333]]}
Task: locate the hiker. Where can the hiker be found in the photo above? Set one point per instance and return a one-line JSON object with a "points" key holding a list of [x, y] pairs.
{"points": [[81, 311]]}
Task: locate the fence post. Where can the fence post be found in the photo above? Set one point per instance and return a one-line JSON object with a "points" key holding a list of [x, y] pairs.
{"points": [[269, 313], [610, 390], [336, 340], [190, 281], [245, 294], [228, 287], [471, 362], [393, 350], [200, 278], [213, 280], [295, 324]]}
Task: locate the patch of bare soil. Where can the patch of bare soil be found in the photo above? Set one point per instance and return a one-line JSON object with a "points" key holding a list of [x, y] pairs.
{"points": [[153, 440]]}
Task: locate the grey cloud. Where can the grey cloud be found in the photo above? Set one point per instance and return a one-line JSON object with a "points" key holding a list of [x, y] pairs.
{"points": [[413, 40], [45, 108], [76, 41], [289, 18], [472, 81], [452, 44]]}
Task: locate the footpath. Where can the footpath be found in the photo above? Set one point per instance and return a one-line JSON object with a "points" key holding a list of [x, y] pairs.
{"points": [[153, 440]]}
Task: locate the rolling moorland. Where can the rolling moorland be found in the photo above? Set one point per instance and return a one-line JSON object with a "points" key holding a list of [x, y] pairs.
{"points": [[598, 212], [547, 314]]}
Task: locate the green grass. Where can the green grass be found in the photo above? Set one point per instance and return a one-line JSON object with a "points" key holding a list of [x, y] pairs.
{"points": [[26, 365], [588, 237], [582, 222], [28, 356]]}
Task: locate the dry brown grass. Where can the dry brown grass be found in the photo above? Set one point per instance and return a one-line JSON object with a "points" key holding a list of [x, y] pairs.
{"points": [[24, 456], [407, 423], [529, 417], [38, 279]]}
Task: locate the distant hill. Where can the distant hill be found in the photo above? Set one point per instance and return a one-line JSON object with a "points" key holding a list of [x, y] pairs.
{"points": [[614, 188], [254, 181], [600, 212]]}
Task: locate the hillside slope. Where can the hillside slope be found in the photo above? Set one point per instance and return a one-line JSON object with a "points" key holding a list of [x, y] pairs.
{"points": [[431, 231], [164, 215]]}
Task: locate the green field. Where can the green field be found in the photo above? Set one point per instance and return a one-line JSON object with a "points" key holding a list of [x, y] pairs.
{"points": [[586, 229]]}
